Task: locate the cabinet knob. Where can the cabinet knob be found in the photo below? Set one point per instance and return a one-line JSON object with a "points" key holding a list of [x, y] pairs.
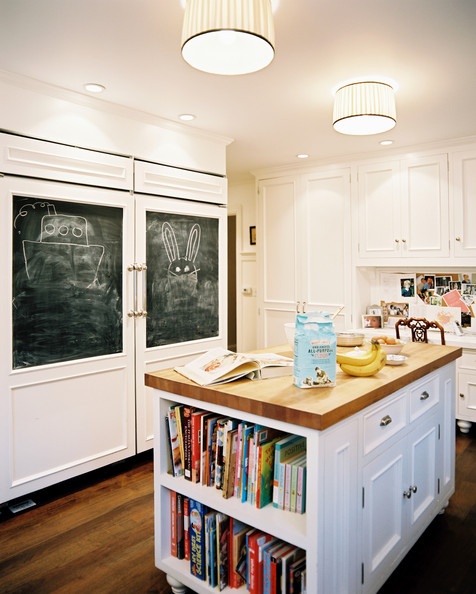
{"points": [[458, 238], [424, 395], [461, 395], [411, 489], [404, 241], [386, 420], [397, 241]]}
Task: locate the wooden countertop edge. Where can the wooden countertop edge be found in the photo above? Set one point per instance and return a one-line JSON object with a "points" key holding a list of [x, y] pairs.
{"points": [[296, 404]]}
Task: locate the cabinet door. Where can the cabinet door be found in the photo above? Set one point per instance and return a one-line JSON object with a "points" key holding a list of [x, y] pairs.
{"points": [[425, 212], [278, 258], [466, 405], [67, 351], [383, 515], [326, 255], [464, 190], [422, 484], [379, 225]]}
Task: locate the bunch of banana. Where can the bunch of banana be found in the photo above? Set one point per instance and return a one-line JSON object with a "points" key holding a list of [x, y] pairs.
{"points": [[368, 363]]}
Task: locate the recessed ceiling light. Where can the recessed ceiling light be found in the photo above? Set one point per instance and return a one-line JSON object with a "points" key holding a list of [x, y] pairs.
{"points": [[94, 87], [187, 117], [302, 156], [386, 142]]}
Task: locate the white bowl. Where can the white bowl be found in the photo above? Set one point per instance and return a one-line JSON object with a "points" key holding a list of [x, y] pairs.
{"points": [[393, 349], [396, 359], [349, 339], [289, 331]]}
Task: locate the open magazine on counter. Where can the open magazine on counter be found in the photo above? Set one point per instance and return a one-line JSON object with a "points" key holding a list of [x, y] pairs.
{"points": [[218, 366]]}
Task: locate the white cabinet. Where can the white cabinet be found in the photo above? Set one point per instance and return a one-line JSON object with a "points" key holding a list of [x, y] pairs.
{"points": [[466, 397], [463, 170], [375, 481], [304, 249], [402, 210], [406, 480]]}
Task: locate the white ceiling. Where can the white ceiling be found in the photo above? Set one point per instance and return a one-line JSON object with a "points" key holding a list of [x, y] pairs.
{"points": [[133, 48]]}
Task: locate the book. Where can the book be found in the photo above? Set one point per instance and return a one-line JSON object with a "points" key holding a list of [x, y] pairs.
{"points": [[289, 465], [196, 449], [265, 473], [276, 567], [206, 438], [186, 526], [179, 421], [301, 489], [247, 434], [228, 482], [284, 449], [286, 561], [294, 575], [268, 551], [173, 523], [210, 548], [176, 458], [262, 556], [187, 441], [224, 426], [180, 527], [222, 532], [197, 513], [218, 366], [236, 544], [255, 541]]}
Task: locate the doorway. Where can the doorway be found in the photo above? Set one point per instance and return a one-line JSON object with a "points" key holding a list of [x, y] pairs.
{"points": [[232, 283]]}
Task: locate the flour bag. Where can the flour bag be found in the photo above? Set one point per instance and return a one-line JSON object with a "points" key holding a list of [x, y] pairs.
{"points": [[314, 351]]}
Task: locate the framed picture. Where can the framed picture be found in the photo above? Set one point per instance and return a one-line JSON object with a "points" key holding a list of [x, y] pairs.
{"points": [[374, 310], [407, 286], [398, 310], [252, 235], [371, 321]]}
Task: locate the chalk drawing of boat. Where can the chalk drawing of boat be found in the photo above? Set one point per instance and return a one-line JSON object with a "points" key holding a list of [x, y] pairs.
{"points": [[63, 255]]}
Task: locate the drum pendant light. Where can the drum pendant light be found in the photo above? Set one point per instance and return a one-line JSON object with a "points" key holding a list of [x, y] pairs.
{"points": [[364, 108], [228, 37]]}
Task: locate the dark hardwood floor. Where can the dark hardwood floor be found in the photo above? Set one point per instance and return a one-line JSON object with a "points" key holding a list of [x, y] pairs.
{"points": [[94, 535]]}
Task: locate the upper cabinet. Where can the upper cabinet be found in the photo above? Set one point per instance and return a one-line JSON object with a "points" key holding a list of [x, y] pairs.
{"points": [[463, 184], [402, 210]]}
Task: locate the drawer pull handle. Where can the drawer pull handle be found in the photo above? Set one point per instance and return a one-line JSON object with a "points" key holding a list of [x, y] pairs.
{"points": [[424, 395], [387, 419]]}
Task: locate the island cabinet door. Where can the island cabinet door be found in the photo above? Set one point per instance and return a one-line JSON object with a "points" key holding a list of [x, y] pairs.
{"points": [[383, 522], [400, 496]]}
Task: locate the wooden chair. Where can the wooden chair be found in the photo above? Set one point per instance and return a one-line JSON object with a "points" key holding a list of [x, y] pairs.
{"points": [[419, 328]]}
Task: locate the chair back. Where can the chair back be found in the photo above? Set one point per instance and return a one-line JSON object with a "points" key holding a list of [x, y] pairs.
{"points": [[419, 328]]}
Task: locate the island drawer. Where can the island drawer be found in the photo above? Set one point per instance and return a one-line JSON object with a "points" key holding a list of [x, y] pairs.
{"points": [[384, 422], [423, 396]]}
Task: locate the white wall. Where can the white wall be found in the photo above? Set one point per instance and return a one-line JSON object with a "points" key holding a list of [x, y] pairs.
{"points": [[242, 203]]}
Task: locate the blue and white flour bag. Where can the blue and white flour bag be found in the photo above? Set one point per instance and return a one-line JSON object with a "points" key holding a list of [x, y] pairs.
{"points": [[314, 351]]}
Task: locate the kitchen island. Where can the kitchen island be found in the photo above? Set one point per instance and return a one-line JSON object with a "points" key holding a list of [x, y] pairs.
{"points": [[380, 465]]}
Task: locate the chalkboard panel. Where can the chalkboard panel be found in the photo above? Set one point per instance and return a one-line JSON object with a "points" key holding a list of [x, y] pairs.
{"points": [[67, 281], [182, 278]]}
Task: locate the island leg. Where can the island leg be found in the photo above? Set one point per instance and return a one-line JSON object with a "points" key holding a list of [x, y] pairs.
{"points": [[177, 587]]}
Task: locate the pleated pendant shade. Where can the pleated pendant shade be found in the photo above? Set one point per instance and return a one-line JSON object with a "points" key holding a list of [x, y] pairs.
{"points": [[364, 108], [228, 37]]}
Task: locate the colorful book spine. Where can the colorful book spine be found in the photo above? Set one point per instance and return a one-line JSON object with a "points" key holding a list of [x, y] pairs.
{"points": [[236, 547], [210, 548], [197, 539], [187, 441], [196, 450], [173, 523], [230, 464], [223, 537], [301, 489], [288, 471], [247, 434], [177, 469], [180, 527], [284, 449], [255, 541], [265, 473], [186, 527]]}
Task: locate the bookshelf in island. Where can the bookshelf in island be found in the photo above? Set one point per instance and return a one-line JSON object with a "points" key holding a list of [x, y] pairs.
{"points": [[371, 448]]}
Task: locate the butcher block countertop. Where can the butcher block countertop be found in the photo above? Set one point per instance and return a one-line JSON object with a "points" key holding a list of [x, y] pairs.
{"points": [[316, 408]]}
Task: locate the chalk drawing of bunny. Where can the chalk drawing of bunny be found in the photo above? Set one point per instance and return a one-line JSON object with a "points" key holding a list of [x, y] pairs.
{"points": [[182, 272]]}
